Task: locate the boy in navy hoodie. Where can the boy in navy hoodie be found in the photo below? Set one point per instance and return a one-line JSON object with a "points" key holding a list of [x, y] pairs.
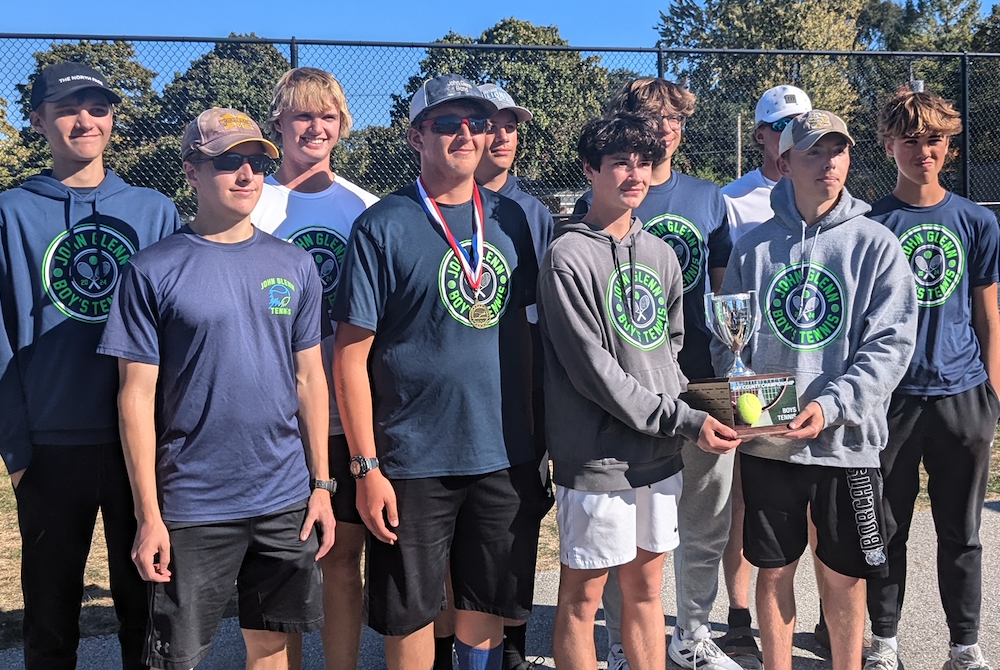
{"points": [[944, 411], [66, 233]]}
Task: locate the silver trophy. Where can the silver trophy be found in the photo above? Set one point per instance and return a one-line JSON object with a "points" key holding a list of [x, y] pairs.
{"points": [[733, 319]]}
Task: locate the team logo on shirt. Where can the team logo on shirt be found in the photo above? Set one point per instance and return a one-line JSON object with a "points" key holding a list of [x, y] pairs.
{"points": [[686, 241], [937, 260], [327, 249], [493, 291], [279, 295], [805, 312], [81, 267], [637, 306]]}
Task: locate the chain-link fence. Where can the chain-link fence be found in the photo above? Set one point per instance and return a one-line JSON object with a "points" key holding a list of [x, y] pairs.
{"points": [[166, 82]]}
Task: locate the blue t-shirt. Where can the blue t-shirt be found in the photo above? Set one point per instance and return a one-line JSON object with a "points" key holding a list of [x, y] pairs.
{"points": [[539, 222], [952, 248], [222, 322], [690, 215], [448, 398]]}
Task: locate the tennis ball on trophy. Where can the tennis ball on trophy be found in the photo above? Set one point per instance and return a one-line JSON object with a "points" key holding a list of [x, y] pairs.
{"points": [[749, 408]]}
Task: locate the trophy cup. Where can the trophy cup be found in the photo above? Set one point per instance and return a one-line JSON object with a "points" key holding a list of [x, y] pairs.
{"points": [[752, 404], [733, 319]]}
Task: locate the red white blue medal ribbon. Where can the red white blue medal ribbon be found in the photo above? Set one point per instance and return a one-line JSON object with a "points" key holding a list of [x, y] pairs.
{"points": [[473, 268]]}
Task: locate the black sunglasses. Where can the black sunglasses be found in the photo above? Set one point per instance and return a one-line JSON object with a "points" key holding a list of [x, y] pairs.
{"points": [[231, 162], [450, 124], [779, 125]]}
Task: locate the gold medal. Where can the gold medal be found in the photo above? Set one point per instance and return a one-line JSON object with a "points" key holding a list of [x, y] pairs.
{"points": [[479, 316]]}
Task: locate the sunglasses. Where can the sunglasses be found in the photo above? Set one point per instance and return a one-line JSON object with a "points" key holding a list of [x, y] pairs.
{"points": [[231, 162], [450, 124], [779, 125]]}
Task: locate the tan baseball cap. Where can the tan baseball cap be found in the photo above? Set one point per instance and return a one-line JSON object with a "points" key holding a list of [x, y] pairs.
{"points": [[219, 129], [806, 129]]}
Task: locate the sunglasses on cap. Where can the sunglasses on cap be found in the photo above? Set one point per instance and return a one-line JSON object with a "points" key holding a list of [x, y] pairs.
{"points": [[231, 162], [450, 124], [779, 125]]}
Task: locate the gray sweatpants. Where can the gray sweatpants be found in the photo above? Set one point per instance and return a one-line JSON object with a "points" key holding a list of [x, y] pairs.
{"points": [[703, 518]]}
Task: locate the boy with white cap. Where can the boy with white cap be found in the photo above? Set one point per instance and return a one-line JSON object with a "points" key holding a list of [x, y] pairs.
{"points": [[838, 309]]}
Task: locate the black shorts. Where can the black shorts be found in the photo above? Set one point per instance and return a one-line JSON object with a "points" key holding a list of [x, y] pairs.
{"points": [[845, 504], [277, 578], [345, 503], [486, 524]]}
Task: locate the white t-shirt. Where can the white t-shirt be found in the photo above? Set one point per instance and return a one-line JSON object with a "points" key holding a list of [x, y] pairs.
{"points": [[320, 223], [748, 200]]}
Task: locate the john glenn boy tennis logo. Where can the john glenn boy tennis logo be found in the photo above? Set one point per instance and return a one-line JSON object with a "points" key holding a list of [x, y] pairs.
{"points": [[327, 250], [81, 268], [493, 291], [805, 306], [686, 241], [638, 310], [937, 260]]}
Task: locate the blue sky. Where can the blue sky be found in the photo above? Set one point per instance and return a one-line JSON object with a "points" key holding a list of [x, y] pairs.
{"points": [[600, 24]]}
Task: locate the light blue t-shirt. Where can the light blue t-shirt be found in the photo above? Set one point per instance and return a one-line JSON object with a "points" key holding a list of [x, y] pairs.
{"points": [[222, 322], [952, 248]]}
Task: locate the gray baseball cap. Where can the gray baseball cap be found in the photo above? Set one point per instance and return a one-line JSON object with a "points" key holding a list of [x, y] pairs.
{"points": [[448, 88], [502, 100], [806, 129]]}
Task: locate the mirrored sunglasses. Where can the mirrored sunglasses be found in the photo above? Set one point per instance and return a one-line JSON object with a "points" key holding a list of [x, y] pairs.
{"points": [[450, 124]]}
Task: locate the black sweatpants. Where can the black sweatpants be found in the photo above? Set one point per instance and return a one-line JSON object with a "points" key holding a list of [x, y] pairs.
{"points": [[57, 503], [953, 435]]}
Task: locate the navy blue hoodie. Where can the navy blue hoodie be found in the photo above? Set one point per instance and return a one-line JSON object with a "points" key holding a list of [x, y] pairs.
{"points": [[62, 254]]}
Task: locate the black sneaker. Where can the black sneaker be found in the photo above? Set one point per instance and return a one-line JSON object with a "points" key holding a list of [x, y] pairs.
{"points": [[739, 644]]}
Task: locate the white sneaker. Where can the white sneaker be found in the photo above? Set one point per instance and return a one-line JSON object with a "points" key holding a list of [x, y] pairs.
{"points": [[970, 659], [698, 651], [881, 656], [616, 658]]}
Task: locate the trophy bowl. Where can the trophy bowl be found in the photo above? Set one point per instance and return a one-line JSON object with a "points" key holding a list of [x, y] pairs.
{"points": [[733, 318]]}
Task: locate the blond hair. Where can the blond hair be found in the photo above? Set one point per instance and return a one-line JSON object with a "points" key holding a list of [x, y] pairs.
{"points": [[910, 114], [307, 88], [649, 96]]}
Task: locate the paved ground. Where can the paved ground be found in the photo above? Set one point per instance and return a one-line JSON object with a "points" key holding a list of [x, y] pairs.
{"points": [[923, 635]]}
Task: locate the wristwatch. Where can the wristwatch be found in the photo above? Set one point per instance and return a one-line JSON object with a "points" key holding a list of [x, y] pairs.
{"points": [[361, 466], [325, 484]]}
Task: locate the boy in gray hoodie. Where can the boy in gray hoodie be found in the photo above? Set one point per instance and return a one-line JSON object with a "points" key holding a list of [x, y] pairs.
{"points": [[838, 309], [610, 303]]}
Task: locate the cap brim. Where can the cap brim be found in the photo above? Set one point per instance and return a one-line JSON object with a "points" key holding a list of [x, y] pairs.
{"points": [[112, 97], [211, 149], [488, 107], [812, 138]]}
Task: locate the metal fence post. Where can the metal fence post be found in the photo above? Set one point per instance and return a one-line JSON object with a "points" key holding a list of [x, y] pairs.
{"points": [[659, 61], [966, 116], [294, 56]]}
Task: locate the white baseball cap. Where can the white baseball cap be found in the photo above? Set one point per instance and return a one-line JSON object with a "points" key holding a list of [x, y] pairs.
{"points": [[779, 102]]}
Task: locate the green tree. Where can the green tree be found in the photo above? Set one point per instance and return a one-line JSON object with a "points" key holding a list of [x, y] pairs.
{"points": [[561, 88], [137, 119], [13, 153]]}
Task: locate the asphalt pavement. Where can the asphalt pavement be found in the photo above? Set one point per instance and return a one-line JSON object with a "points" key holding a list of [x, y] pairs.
{"points": [[923, 635]]}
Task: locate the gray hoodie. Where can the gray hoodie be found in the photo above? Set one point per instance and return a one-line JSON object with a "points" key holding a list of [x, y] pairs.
{"points": [[840, 311], [612, 323]]}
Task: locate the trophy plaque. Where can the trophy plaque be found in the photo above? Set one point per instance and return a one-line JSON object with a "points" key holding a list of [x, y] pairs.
{"points": [[752, 404]]}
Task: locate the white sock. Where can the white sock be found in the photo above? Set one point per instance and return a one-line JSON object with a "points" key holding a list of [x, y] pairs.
{"points": [[959, 649], [891, 641]]}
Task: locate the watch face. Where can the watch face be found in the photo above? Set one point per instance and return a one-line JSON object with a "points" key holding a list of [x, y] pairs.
{"points": [[355, 468]]}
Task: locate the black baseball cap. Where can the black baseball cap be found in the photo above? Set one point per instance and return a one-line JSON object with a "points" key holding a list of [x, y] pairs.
{"points": [[64, 79]]}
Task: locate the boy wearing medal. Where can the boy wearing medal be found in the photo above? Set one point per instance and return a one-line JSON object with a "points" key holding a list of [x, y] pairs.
{"points": [[429, 373], [611, 312]]}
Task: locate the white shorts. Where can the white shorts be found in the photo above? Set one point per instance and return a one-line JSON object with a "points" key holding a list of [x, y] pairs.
{"points": [[603, 529]]}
